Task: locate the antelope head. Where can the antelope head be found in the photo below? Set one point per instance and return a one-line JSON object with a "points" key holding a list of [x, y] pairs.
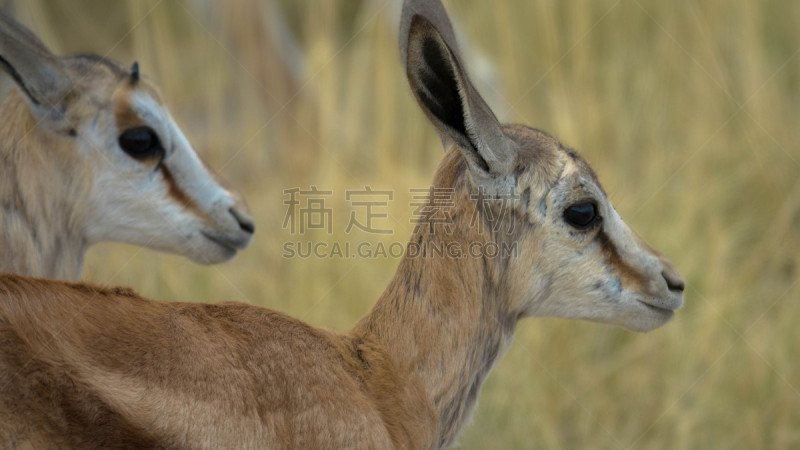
{"points": [[575, 257], [133, 176]]}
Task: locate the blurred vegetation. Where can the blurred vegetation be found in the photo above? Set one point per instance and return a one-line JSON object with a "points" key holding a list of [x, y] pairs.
{"points": [[687, 110]]}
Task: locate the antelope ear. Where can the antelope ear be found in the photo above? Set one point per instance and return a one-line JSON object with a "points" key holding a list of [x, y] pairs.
{"points": [[38, 73], [445, 93]]}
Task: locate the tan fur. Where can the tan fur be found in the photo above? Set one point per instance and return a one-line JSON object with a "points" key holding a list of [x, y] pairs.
{"points": [[42, 197], [189, 375]]}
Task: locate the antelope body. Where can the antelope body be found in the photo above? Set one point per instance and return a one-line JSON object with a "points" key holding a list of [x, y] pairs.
{"points": [[90, 366], [89, 153]]}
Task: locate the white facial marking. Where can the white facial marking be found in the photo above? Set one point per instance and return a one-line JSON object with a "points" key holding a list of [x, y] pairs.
{"points": [[603, 273], [174, 205]]}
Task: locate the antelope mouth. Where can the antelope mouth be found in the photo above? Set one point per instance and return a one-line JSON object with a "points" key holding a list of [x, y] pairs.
{"points": [[658, 309], [231, 245]]}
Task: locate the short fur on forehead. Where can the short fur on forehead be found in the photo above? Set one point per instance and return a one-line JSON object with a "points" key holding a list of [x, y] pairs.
{"points": [[93, 73], [538, 151]]}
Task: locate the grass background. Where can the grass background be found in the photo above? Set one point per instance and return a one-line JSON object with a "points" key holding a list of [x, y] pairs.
{"points": [[687, 110]]}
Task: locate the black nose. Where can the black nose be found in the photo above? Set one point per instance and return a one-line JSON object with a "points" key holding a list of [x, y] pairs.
{"points": [[244, 219], [674, 282]]}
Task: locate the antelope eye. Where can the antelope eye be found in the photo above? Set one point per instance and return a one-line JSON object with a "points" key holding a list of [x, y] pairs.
{"points": [[140, 142], [581, 215]]}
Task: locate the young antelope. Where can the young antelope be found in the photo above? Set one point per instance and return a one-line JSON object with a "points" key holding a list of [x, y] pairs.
{"points": [[89, 153]]}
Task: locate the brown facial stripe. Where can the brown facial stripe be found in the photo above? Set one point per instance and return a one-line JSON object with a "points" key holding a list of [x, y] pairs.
{"points": [[125, 116], [174, 191], [628, 275]]}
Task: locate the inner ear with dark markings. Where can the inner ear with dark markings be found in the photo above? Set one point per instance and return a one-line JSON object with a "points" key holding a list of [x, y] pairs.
{"points": [[448, 98], [439, 88]]}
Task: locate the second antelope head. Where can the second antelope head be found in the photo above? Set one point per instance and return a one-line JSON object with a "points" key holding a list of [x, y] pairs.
{"points": [[91, 153], [576, 257]]}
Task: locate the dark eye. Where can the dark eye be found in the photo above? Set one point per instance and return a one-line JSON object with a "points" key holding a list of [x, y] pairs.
{"points": [[581, 215], [140, 142]]}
